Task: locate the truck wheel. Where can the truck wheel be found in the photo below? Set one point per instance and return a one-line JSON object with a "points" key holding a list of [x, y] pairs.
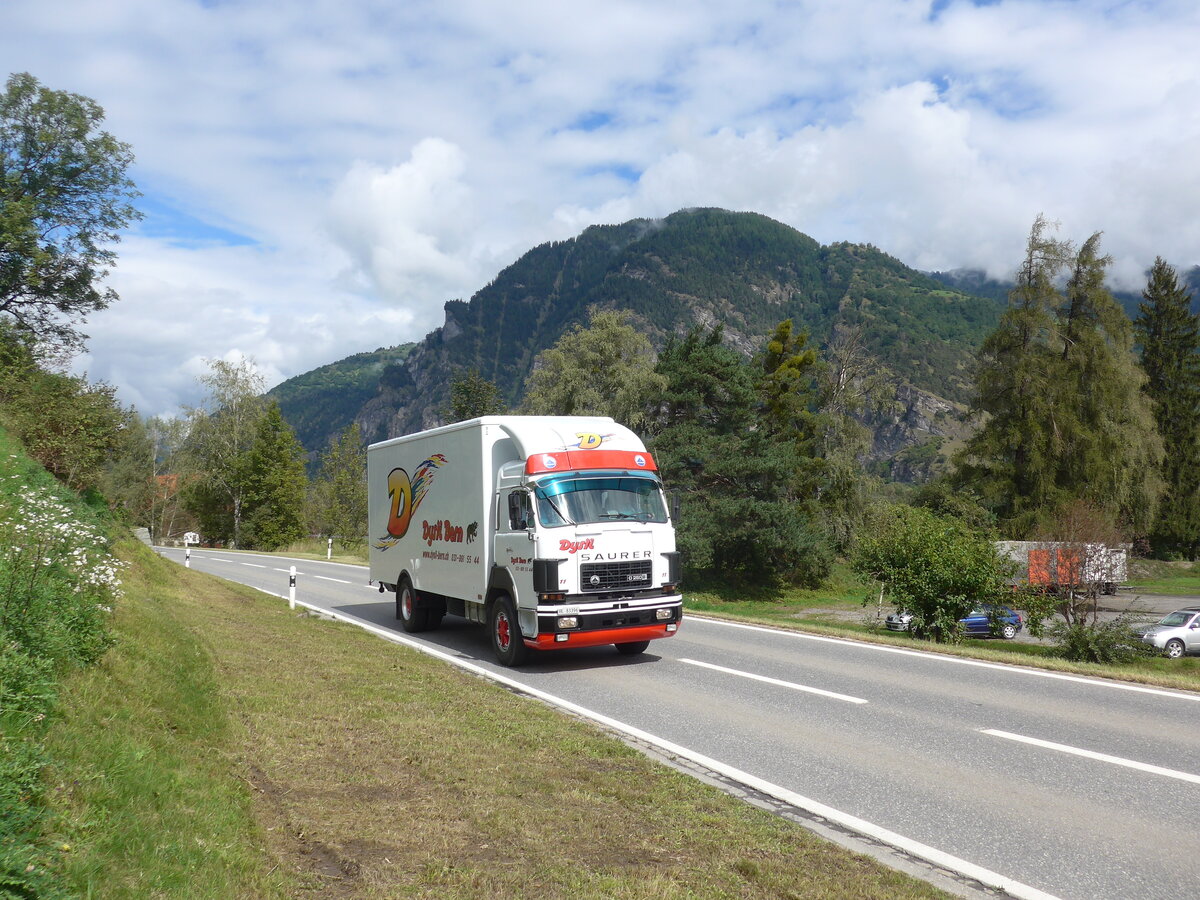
{"points": [[505, 630], [411, 618], [633, 648]]}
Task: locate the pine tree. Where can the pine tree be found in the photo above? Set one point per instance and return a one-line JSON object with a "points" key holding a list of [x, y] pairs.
{"points": [[339, 494], [1110, 445], [1008, 461], [276, 485], [1170, 337], [1060, 396], [736, 475]]}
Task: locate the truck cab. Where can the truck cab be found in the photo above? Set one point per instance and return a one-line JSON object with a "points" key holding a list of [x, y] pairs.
{"points": [[602, 564]]}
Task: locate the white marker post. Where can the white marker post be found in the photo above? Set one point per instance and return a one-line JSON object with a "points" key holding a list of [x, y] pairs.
{"points": [[292, 588], [187, 556], [329, 550]]}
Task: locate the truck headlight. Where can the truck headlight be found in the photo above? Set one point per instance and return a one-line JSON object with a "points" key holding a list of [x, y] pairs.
{"points": [[664, 615], [565, 622]]}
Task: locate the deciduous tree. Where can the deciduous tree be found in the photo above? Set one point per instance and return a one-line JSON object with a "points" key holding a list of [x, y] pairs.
{"points": [[472, 395], [606, 369], [64, 199], [220, 435], [932, 566]]}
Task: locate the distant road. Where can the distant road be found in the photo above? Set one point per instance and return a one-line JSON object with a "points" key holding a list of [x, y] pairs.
{"points": [[1063, 786]]}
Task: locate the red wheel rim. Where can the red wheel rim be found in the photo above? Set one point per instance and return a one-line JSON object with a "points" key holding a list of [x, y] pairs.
{"points": [[503, 632]]}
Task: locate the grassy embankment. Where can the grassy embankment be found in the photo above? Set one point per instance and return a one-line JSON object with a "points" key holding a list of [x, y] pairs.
{"points": [[227, 747]]}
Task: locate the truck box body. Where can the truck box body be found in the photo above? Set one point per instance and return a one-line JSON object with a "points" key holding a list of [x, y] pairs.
{"points": [[563, 517], [1061, 564]]}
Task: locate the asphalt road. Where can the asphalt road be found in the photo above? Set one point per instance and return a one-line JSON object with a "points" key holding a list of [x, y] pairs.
{"points": [[1067, 787]]}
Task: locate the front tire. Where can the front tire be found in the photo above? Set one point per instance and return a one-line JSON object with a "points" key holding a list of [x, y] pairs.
{"points": [[412, 618], [633, 648], [505, 630], [1174, 649]]}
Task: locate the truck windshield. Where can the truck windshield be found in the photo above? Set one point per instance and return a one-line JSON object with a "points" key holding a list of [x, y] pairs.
{"points": [[578, 499]]}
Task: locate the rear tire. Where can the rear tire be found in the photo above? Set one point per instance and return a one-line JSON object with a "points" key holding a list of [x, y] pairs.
{"points": [[633, 648], [1008, 631], [412, 618], [505, 631], [1174, 649]]}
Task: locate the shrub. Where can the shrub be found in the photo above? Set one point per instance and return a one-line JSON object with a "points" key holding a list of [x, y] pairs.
{"points": [[1113, 641], [935, 567]]}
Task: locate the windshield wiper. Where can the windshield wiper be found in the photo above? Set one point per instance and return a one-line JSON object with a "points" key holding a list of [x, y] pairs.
{"points": [[554, 506]]}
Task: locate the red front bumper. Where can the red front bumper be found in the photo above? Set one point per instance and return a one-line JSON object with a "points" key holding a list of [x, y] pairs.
{"points": [[602, 636]]}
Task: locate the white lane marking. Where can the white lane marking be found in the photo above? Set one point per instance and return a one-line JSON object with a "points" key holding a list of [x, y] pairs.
{"points": [[855, 824], [253, 565], [958, 660], [327, 578], [1091, 754], [775, 681], [311, 562]]}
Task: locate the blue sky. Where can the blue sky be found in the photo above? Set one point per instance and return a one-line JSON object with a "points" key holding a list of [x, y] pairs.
{"points": [[320, 178]]}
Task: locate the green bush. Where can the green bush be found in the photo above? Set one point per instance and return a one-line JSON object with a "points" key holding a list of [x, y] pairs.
{"points": [[1113, 641], [935, 567]]}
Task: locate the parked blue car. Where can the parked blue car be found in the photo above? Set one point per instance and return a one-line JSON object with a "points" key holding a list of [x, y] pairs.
{"points": [[977, 622]]}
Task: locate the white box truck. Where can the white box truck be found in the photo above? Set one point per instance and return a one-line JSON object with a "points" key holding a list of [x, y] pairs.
{"points": [[553, 531]]}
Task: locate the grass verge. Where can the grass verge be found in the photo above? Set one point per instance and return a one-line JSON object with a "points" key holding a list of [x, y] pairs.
{"points": [[229, 747], [1154, 576]]}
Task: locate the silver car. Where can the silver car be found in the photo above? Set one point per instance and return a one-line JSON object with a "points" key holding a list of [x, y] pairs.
{"points": [[1176, 634]]}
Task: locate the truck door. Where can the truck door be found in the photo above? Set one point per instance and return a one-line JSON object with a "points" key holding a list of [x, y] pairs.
{"points": [[514, 552]]}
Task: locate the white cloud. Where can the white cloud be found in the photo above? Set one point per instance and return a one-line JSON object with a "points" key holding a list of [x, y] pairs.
{"points": [[380, 159], [408, 228]]}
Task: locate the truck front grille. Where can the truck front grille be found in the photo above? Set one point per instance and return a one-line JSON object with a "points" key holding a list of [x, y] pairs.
{"points": [[615, 576]]}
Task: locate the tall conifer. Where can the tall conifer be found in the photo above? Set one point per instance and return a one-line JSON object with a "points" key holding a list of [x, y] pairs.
{"points": [[1110, 444], [1008, 460], [1170, 337], [1059, 396]]}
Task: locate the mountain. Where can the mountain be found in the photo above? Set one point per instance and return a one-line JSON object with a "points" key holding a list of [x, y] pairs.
{"points": [[321, 404], [695, 267]]}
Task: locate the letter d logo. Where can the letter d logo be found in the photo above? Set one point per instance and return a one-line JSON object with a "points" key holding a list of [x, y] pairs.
{"points": [[589, 441], [400, 491]]}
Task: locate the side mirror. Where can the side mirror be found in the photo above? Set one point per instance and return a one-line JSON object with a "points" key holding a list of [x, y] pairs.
{"points": [[518, 513]]}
